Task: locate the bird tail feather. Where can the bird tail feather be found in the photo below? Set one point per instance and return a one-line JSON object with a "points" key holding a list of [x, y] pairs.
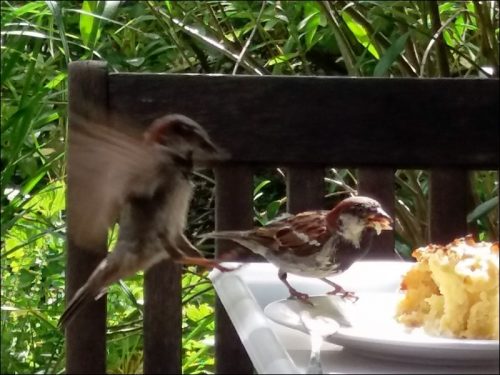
{"points": [[93, 289], [226, 235]]}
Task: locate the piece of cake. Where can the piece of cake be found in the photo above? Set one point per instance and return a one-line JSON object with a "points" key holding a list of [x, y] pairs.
{"points": [[452, 290]]}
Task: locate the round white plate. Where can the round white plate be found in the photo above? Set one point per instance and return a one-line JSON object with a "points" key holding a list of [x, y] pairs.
{"points": [[368, 326]]}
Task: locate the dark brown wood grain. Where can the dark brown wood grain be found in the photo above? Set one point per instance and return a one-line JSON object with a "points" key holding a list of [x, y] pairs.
{"points": [[86, 333], [338, 121], [163, 319], [448, 205], [378, 183], [233, 210], [305, 189]]}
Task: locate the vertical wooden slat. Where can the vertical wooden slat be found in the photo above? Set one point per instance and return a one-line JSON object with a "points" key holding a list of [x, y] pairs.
{"points": [[163, 319], [378, 183], [448, 205], [86, 335], [498, 212], [233, 210], [305, 189]]}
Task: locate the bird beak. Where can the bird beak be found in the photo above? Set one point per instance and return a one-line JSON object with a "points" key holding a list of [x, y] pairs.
{"points": [[380, 221], [209, 154]]}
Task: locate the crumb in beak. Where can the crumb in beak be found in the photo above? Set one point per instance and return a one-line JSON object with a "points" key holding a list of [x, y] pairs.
{"points": [[380, 222]]}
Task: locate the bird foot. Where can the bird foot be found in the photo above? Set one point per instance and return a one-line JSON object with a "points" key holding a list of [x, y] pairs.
{"points": [[302, 297], [226, 269], [344, 294]]}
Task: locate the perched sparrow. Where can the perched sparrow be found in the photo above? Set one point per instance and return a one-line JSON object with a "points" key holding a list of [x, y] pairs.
{"points": [[143, 183], [316, 243]]}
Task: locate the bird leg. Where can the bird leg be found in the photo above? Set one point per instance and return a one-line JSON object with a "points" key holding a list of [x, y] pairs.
{"points": [[187, 248], [190, 255], [339, 291], [303, 297], [207, 263]]}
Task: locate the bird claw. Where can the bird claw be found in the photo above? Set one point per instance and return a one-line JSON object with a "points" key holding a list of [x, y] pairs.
{"points": [[350, 296], [206, 263], [344, 294], [225, 269], [302, 297]]}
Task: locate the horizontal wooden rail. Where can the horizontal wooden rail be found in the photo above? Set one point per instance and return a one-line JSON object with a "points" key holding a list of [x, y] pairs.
{"points": [[346, 122]]}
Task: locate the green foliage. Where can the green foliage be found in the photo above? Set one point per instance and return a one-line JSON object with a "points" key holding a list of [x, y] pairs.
{"points": [[40, 38]]}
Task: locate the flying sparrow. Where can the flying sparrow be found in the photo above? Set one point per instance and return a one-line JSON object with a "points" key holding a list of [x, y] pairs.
{"points": [[316, 243], [145, 183]]}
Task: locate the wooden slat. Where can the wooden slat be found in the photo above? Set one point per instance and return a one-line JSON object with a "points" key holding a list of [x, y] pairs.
{"points": [[86, 334], [325, 121], [233, 210], [163, 319], [448, 205], [305, 189], [379, 184]]}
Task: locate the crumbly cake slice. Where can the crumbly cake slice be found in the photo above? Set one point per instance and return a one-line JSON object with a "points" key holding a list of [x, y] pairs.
{"points": [[452, 290]]}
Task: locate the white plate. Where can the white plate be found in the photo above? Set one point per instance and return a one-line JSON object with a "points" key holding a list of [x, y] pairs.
{"points": [[368, 326]]}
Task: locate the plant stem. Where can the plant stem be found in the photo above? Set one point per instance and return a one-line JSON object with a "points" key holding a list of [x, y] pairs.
{"points": [[442, 57]]}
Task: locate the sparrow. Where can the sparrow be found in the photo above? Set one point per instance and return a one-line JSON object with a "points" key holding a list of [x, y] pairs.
{"points": [[317, 243], [144, 183]]}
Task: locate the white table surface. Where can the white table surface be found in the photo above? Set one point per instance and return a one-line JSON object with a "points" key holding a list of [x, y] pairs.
{"points": [[275, 349]]}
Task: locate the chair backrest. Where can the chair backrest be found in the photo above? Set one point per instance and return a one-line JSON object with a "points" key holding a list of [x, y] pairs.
{"points": [[303, 124]]}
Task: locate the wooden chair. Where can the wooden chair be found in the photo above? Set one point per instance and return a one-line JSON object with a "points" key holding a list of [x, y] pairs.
{"points": [[303, 124]]}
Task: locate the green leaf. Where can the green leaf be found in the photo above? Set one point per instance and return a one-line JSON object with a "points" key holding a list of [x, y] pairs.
{"points": [[86, 22], [390, 55], [168, 4], [25, 10], [314, 21], [33, 34], [305, 22], [54, 82], [196, 313], [89, 25], [483, 209], [272, 209], [51, 200], [403, 249], [136, 61], [281, 58], [259, 187], [360, 34], [55, 8]]}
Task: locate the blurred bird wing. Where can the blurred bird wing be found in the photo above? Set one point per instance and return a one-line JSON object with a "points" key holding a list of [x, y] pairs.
{"points": [[105, 166], [301, 234]]}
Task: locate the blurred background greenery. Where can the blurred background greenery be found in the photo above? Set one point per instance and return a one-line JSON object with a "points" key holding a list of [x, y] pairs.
{"points": [[40, 38]]}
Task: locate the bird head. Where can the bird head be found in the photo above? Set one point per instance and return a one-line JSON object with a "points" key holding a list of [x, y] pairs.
{"points": [[352, 216], [186, 137]]}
